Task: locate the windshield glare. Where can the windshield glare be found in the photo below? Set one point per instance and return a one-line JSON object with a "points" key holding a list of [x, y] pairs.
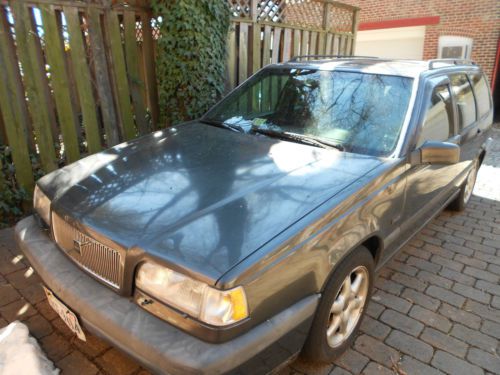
{"points": [[362, 112]]}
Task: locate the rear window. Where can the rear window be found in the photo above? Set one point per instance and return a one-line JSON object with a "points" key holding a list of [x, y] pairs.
{"points": [[482, 94], [466, 106]]}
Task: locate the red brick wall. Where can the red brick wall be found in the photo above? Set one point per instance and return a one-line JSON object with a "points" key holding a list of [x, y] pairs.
{"points": [[477, 19]]}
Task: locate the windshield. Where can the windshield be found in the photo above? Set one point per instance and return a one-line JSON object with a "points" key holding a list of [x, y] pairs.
{"points": [[360, 112]]}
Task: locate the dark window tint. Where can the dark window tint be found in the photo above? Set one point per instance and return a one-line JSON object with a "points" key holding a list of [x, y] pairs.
{"points": [[482, 94], [437, 125], [465, 100]]}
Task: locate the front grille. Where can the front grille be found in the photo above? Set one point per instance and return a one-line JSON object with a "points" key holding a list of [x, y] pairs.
{"points": [[100, 260]]}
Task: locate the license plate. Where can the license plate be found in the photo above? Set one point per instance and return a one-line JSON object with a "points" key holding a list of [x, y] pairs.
{"points": [[66, 314]]}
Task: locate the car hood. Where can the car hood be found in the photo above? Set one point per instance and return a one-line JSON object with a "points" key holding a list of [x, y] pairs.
{"points": [[200, 197]]}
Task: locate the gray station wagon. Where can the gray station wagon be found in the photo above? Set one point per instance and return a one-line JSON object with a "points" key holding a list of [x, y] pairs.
{"points": [[234, 242]]}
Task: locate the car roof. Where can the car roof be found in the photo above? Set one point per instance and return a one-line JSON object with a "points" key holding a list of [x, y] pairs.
{"points": [[397, 67]]}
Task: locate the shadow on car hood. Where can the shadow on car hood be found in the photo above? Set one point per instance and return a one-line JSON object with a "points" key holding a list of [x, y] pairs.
{"points": [[198, 196]]}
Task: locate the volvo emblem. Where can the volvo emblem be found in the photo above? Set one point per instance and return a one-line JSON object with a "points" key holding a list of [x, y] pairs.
{"points": [[78, 245]]}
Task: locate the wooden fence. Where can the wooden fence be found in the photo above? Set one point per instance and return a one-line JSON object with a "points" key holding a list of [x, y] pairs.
{"points": [[272, 31], [79, 76], [76, 77]]}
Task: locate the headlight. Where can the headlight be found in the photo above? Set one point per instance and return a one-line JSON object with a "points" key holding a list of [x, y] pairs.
{"points": [[41, 204], [212, 306]]}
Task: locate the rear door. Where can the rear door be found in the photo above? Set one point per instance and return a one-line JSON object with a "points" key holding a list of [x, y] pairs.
{"points": [[466, 115], [484, 102], [474, 136], [474, 116]]}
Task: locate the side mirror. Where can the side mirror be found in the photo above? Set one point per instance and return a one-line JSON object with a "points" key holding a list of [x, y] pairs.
{"points": [[432, 152]]}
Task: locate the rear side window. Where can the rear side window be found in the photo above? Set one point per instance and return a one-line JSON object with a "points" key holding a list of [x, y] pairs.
{"points": [[482, 94], [465, 100], [437, 125]]}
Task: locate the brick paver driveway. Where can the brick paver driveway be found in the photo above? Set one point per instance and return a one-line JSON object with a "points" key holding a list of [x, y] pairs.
{"points": [[436, 308]]}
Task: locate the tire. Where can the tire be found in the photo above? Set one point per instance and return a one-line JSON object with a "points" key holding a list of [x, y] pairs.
{"points": [[460, 202], [324, 348]]}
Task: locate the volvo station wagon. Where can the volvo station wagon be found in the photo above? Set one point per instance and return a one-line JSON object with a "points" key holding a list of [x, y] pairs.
{"points": [[234, 243]]}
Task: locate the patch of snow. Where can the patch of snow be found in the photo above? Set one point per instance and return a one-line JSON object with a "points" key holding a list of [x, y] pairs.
{"points": [[21, 354]]}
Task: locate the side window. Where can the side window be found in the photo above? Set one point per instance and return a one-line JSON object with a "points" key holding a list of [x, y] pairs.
{"points": [[437, 124], [481, 91], [465, 100]]}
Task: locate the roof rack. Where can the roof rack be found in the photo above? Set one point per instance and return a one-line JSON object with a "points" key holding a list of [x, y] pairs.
{"points": [[432, 62], [297, 58]]}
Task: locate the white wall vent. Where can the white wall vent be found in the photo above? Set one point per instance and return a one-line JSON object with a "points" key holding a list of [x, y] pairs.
{"points": [[454, 47]]}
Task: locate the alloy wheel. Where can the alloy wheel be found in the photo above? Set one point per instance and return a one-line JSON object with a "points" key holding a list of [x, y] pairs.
{"points": [[347, 308], [469, 185]]}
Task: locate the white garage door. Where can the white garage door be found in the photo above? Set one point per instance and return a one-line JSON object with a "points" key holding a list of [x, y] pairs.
{"points": [[395, 43]]}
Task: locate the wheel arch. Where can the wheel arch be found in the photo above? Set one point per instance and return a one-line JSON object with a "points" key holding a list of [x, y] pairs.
{"points": [[373, 243]]}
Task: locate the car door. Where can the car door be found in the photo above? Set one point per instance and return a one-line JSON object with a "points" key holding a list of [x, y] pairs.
{"points": [[429, 186], [473, 133], [467, 124]]}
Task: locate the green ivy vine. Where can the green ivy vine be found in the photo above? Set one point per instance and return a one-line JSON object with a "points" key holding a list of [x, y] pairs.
{"points": [[191, 56], [15, 201], [11, 195]]}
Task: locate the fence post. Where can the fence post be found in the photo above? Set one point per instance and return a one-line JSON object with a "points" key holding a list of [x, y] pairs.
{"points": [[243, 53], [231, 60], [326, 15], [355, 25], [255, 36], [326, 22], [253, 10]]}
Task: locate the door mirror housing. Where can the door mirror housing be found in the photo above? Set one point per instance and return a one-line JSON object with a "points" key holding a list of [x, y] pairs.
{"points": [[432, 152]]}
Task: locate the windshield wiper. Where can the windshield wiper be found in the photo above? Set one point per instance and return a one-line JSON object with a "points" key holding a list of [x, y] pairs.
{"points": [[300, 138], [224, 125]]}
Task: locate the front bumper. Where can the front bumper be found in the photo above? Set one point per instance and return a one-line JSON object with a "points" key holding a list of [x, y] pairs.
{"points": [[158, 345]]}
